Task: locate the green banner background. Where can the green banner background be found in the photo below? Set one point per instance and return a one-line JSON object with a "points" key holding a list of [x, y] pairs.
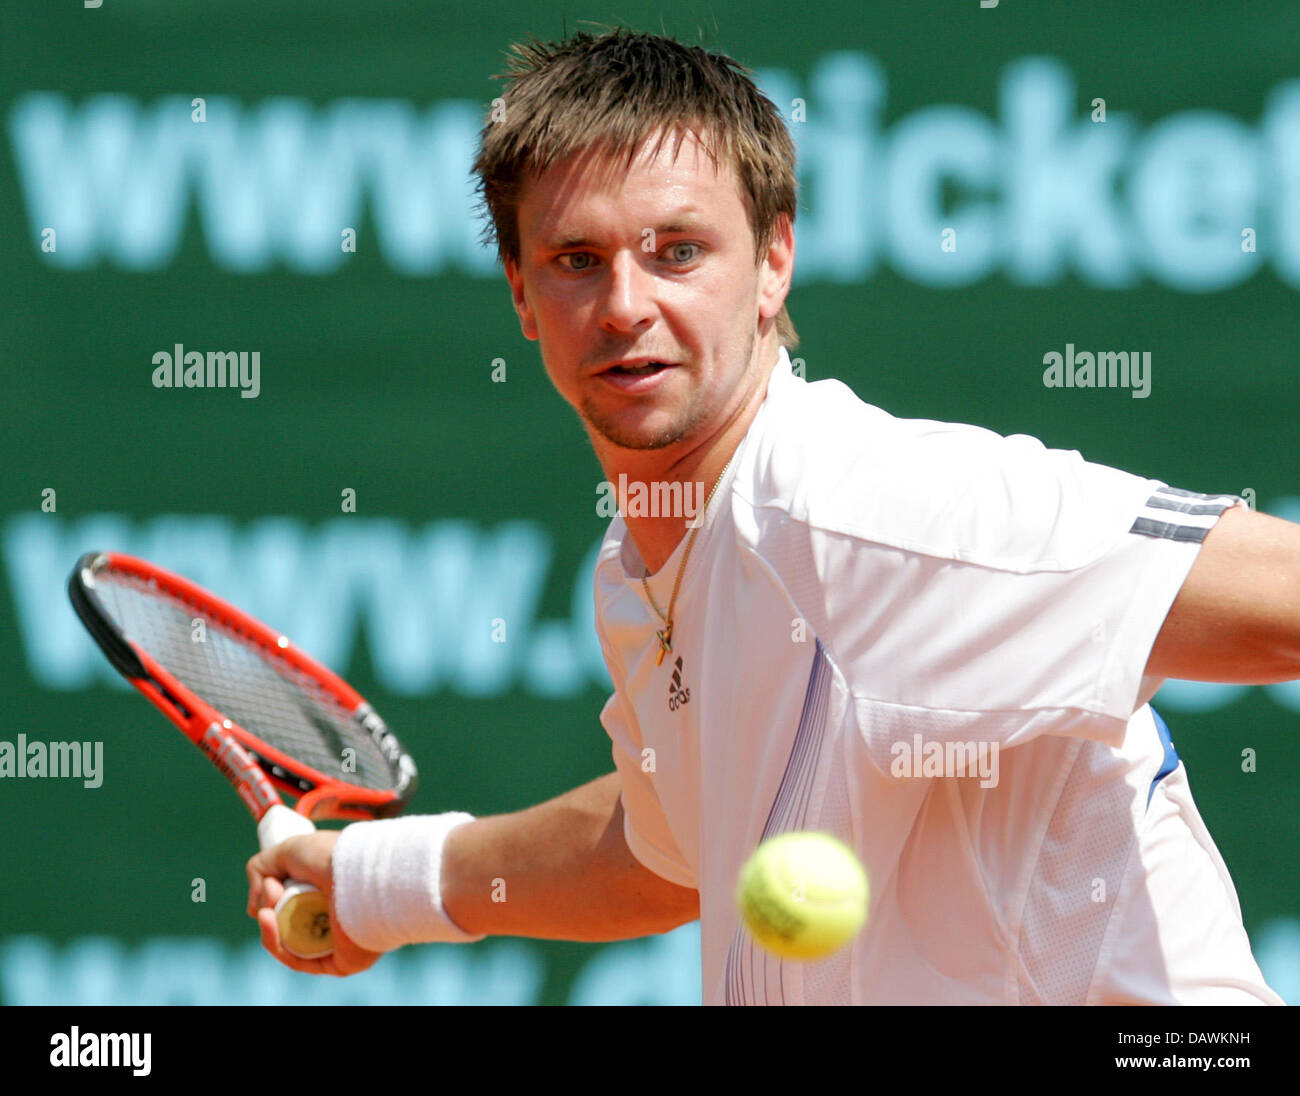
{"points": [[376, 376]]}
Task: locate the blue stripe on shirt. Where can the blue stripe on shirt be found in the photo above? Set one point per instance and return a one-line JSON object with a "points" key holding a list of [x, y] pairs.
{"points": [[1170, 763]]}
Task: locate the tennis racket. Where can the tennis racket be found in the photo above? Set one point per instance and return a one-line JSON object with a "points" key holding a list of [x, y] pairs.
{"points": [[269, 717]]}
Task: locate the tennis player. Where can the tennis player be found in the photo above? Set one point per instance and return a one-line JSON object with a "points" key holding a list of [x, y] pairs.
{"points": [[931, 641]]}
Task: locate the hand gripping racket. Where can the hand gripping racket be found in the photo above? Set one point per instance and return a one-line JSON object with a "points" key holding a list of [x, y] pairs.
{"points": [[266, 715]]}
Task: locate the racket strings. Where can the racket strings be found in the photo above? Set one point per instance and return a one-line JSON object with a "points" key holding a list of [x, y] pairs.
{"points": [[267, 696]]}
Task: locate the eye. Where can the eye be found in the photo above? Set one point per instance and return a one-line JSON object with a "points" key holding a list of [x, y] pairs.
{"points": [[585, 258], [674, 250]]}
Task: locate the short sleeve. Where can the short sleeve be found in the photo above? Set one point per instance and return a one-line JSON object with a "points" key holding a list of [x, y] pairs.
{"points": [[645, 828], [992, 574]]}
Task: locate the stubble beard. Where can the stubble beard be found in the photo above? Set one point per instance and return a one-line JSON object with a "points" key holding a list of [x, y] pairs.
{"points": [[616, 432], [694, 415]]}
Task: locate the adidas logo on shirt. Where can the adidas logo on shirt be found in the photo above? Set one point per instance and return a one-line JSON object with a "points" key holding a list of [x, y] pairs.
{"points": [[678, 694]]}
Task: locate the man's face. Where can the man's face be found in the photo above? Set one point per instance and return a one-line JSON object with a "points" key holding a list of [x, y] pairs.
{"points": [[655, 262]]}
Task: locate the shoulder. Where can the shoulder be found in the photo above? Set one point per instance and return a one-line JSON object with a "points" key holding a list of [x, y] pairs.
{"points": [[825, 463]]}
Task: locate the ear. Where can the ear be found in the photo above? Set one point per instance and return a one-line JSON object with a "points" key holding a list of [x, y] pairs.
{"points": [[527, 321], [777, 270]]}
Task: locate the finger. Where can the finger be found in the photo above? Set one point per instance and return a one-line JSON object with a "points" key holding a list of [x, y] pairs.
{"points": [[254, 887], [263, 891], [260, 867], [272, 889]]}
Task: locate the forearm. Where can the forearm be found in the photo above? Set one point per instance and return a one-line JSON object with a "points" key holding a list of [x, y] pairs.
{"points": [[560, 870]]}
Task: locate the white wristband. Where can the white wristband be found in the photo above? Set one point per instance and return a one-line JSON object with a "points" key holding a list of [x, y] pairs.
{"points": [[387, 881]]}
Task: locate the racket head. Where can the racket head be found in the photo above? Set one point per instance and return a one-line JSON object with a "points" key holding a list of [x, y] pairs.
{"points": [[271, 717]]}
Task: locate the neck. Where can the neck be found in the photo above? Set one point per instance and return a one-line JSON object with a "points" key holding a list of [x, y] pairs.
{"points": [[696, 465]]}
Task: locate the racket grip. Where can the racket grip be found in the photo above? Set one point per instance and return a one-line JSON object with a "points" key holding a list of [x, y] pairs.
{"points": [[303, 913]]}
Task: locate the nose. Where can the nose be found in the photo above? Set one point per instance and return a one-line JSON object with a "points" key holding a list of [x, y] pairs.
{"points": [[628, 304]]}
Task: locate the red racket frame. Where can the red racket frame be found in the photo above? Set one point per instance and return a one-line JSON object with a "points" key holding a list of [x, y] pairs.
{"points": [[255, 768]]}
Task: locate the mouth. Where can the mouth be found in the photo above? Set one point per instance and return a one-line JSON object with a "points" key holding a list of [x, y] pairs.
{"points": [[636, 377], [638, 367]]}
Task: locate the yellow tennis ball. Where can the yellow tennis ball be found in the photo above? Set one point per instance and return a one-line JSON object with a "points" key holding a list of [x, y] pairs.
{"points": [[802, 895]]}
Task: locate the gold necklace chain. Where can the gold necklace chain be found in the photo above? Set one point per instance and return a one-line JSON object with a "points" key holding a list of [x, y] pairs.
{"points": [[666, 634]]}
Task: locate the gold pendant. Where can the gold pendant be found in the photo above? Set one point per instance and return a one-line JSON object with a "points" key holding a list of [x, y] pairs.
{"points": [[665, 643]]}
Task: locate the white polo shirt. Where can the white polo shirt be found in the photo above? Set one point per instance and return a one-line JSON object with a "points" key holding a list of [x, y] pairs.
{"points": [[871, 604]]}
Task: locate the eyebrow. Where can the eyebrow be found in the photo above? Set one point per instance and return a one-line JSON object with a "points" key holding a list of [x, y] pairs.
{"points": [[682, 222]]}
